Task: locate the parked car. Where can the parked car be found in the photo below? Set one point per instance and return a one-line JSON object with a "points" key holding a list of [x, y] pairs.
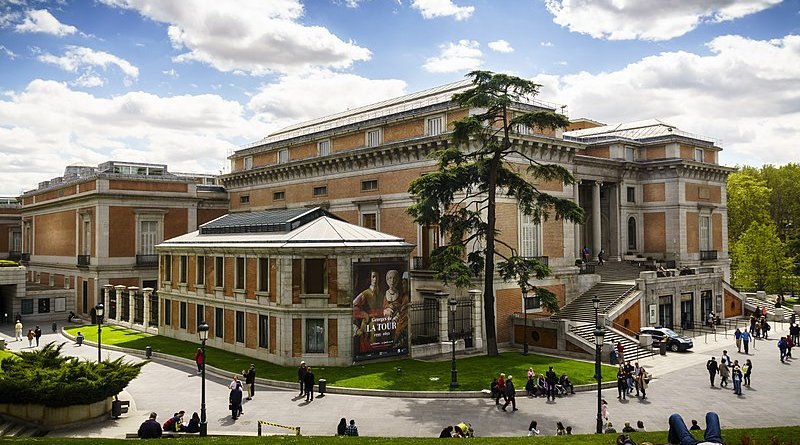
{"points": [[675, 342]]}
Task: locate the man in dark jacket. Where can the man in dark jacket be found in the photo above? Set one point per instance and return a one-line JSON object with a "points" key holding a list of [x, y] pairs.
{"points": [[308, 384], [38, 334], [511, 394], [301, 376], [150, 428], [550, 378], [250, 380], [235, 401], [712, 368]]}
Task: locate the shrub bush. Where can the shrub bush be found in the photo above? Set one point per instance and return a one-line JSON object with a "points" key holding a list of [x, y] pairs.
{"points": [[47, 378]]}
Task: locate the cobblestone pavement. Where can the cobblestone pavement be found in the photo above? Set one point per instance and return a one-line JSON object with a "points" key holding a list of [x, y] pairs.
{"points": [[681, 385]]}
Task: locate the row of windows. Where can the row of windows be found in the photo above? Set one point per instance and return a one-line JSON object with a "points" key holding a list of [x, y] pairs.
{"points": [[239, 274], [44, 306], [367, 185], [434, 126], [314, 335]]}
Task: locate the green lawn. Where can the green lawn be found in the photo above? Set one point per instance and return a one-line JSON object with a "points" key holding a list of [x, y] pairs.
{"points": [[757, 436], [474, 373]]}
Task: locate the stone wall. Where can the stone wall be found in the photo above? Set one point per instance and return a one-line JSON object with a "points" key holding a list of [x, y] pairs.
{"points": [[56, 418]]}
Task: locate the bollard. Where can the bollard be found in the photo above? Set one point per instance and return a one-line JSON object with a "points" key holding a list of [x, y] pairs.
{"points": [[55, 327], [322, 385], [148, 352]]}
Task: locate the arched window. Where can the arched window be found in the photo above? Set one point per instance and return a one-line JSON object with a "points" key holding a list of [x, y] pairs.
{"points": [[631, 233]]}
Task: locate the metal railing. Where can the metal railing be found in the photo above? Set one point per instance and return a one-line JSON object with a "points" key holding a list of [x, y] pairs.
{"points": [[420, 263], [147, 260], [587, 269], [424, 320], [707, 255], [84, 260]]}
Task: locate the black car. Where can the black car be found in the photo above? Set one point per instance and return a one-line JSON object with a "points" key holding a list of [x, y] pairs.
{"points": [[675, 342]]}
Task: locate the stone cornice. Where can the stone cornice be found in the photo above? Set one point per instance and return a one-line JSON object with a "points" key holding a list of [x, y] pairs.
{"points": [[666, 168]]}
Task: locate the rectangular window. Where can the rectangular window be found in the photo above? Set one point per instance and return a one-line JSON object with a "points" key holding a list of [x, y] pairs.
{"points": [[315, 335], [167, 312], [184, 268], [434, 126], [278, 196], [705, 232], [167, 267], [244, 199], [321, 191], [314, 276], [201, 270], [248, 163], [201, 314], [27, 306], [630, 154], [631, 194], [324, 147], [219, 322], [86, 245], [240, 326], [283, 156], [219, 271], [148, 237], [263, 331], [369, 220], [60, 304], [374, 137], [532, 303], [698, 154], [523, 129], [240, 272], [529, 237], [182, 314], [44, 305], [263, 274], [369, 185]]}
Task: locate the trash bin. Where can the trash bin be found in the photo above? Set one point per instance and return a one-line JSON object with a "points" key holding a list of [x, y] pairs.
{"points": [[323, 386], [662, 348], [55, 327], [612, 357], [148, 351], [118, 407]]}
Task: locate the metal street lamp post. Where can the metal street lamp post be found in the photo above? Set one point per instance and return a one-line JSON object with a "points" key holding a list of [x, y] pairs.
{"points": [[98, 310], [202, 331], [453, 303], [525, 311], [599, 333]]}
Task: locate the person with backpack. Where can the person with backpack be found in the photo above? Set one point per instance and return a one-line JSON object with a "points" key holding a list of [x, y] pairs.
{"points": [[782, 348]]}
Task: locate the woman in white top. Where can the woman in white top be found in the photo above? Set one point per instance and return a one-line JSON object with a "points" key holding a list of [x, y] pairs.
{"points": [[532, 431]]}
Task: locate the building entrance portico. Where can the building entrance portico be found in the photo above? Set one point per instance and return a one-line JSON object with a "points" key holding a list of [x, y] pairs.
{"points": [[600, 203]]}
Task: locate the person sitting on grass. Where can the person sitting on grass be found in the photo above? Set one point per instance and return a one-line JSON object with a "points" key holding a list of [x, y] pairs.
{"points": [[678, 434]]}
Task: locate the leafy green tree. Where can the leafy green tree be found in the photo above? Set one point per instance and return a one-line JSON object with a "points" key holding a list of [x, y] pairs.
{"points": [[748, 201], [47, 378], [460, 195], [761, 259]]}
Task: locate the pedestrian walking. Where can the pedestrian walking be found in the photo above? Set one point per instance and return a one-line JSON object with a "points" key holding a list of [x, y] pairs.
{"points": [[642, 382], [620, 352], [789, 346], [511, 394], [765, 328], [250, 380], [235, 401], [308, 384], [18, 330], [738, 336], [79, 338], [746, 341], [724, 373], [550, 379], [782, 348], [726, 358], [622, 382], [30, 336], [501, 389], [601, 257], [747, 369], [38, 334], [301, 377], [199, 359], [712, 368], [629, 373]]}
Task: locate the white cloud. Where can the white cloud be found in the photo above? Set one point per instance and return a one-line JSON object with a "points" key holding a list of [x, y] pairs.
{"points": [[255, 36], [501, 46], [171, 73], [89, 80], [744, 94], [78, 58], [647, 19], [47, 126], [442, 8], [295, 99], [463, 55], [10, 54], [546, 44], [40, 20]]}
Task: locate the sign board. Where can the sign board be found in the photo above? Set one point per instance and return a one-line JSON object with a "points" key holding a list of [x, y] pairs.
{"points": [[380, 310]]}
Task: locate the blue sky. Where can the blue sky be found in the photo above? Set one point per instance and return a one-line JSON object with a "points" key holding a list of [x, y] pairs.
{"points": [[186, 82]]}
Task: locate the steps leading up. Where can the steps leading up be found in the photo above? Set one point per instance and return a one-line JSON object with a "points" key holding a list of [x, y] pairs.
{"points": [[11, 428], [581, 309], [632, 349], [612, 271]]}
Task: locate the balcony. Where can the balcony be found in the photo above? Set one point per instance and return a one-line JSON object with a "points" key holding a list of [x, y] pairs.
{"points": [[147, 260], [708, 255], [84, 260], [421, 263]]}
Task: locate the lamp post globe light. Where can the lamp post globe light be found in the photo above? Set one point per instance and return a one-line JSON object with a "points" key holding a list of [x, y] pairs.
{"points": [[453, 304], [202, 331], [98, 310], [525, 312]]}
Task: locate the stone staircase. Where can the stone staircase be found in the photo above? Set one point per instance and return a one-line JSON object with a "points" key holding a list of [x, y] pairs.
{"points": [[632, 349], [751, 301], [581, 309], [617, 271], [13, 428]]}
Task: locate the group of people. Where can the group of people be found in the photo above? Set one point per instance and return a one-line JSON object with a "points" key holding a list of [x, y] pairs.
{"points": [[151, 429], [632, 377], [306, 378], [758, 323], [343, 429], [727, 368], [547, 385], [458, 431], [33, 334]]}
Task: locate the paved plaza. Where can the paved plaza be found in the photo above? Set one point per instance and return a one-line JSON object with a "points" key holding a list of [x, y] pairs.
{"points": [[681, 385]]}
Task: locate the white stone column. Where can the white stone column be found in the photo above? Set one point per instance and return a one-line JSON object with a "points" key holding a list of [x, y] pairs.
{"points": [[477, 318], [106, 300], [119, 289], [148, 292], [444, 320], [576, 228], [131, 302], [596, 235]]}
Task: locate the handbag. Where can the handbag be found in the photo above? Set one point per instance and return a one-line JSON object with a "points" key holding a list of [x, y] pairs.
{"points": [[230, 406]]}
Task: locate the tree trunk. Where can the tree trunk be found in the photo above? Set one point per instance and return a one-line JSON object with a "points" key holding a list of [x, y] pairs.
{"points": [[488, 277]]}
